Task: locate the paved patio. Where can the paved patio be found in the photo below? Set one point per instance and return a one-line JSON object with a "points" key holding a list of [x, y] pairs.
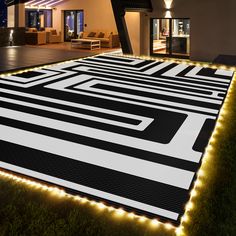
{"points": [[15, 58], [128, 131]]}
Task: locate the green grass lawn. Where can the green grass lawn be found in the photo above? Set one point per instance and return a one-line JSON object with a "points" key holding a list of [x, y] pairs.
{"points": [[28, 211]]}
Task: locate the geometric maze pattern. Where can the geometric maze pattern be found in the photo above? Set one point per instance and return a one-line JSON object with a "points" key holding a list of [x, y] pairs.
{"points": [[130, 132]]}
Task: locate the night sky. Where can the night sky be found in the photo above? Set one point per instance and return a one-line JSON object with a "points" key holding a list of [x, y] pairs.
{"points": [[3, 13]]}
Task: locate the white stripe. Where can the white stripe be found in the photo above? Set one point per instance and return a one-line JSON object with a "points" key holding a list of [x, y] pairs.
{"points": [[144, 121], [36, 82], [156, 68], [132, 61], [157, 86], [92, 191], [179, 68], [143, 76], [28, 80], [195, 70], [177, 148], [72, 104], [88, 86], [114, 161], [225, 73], [128, 68], [61, 85]]}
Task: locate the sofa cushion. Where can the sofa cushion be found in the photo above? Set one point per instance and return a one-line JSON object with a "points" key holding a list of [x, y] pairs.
{"points": [[103, 39], [91, 34], [32, 30], [53, 32], [100, 35], [107, 34]]}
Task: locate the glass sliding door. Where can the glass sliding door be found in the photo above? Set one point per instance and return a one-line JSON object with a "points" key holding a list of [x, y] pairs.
{"points": [[170, 37], [73, 23], [161, 31], [180, 37], [80, 21]]}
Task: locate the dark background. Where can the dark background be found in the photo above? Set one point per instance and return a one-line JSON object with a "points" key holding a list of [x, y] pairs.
{"points": [[3, 14]]}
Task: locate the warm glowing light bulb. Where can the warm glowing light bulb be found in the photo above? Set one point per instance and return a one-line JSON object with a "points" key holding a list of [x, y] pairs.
{"points": [[142, 219], [193, 193], [189, 206], [101, 206], [154, 223], [120, 212], [168, 3], [168, 14], [169, 226]]}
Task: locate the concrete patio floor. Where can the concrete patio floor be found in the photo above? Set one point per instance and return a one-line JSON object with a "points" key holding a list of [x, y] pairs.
{"points": [[15, 58]]}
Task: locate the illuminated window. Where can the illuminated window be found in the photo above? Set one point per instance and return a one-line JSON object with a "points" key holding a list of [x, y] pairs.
{"points": [[170, 37]]}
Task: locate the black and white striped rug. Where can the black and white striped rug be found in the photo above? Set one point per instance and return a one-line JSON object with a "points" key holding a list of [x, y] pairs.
{"points": [[128, 131]]}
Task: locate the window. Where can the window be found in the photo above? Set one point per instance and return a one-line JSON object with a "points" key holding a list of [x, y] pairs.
{"points": [[170, 37], [38, 18]]}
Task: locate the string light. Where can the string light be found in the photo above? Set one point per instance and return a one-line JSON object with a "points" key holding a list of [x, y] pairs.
{"points": [[120, 212]]}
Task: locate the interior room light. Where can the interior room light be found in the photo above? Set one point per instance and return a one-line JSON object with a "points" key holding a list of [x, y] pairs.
{"points": [[168, 3], [168, 14]]}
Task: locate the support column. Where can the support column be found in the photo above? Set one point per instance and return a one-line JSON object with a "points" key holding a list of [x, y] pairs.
{"points": [[11, 16], [21, 14], [16, 16], [133, 25]]}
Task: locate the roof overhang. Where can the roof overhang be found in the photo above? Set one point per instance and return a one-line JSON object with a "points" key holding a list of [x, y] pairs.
{"points": [[136, 5], [35, 3], [119, 9], [14, 2]]}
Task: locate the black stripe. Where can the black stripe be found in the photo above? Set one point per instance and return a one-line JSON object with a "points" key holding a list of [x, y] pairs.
{"points": [[212, 73], [129, 186], [155, 96], [117, 58], [83, 111], [155, 83], [29, 74], [109, 146], [167, 123], [35, 80], [158, 74], [114, 63], [136, 77], [91, 100]]}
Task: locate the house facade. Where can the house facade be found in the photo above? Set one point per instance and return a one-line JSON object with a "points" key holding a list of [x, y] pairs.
{"points": [[195, 29]]}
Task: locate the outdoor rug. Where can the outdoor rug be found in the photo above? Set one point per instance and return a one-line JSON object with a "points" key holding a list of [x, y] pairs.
{"points": [[129, 132]]}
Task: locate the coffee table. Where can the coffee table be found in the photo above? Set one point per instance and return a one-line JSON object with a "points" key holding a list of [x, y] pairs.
{"points": [[91, 44]]}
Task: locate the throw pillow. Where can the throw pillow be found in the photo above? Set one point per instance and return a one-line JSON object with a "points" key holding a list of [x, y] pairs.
{"points": [[92, 34], [80, 35], [101, 35]]}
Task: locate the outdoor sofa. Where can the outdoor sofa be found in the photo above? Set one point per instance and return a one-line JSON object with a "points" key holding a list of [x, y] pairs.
{"points": [[108, 39]]}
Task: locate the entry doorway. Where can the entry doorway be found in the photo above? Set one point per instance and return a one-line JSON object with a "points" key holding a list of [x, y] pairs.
{"points": [[170, 37], [73, 24]]}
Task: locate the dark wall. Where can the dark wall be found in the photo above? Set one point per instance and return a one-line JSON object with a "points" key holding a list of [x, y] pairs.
{"points": [[212, 26], [3, 14], [18, 36], [119, 7]]}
